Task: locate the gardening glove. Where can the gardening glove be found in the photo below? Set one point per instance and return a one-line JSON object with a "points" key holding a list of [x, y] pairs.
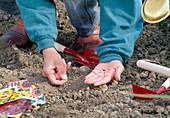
{"points": [[55, 67]]}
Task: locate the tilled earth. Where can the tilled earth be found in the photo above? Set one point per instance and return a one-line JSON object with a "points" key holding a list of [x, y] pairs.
{"points": [[76, 99]]}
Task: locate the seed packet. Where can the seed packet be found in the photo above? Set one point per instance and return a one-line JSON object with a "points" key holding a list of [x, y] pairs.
{"points": [[16, 108], [25, 88], [8, 95]]}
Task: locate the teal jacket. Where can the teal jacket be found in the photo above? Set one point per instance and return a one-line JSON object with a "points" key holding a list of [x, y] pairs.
{"points": [[120, 26]]}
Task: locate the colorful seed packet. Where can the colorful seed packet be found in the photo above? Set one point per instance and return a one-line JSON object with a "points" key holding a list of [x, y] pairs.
{"points": [[16, 108], [25, 88], [8, 95]]}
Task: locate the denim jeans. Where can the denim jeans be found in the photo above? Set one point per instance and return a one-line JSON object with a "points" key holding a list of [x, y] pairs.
{"points": [[84, 14], [10, 7]]}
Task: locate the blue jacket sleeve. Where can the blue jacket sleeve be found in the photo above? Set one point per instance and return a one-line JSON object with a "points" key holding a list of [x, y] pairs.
{"points": [[39, 17], [120, 26]]}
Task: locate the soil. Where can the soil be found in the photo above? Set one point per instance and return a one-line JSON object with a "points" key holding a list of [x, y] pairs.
{"points": [[76, 99]]}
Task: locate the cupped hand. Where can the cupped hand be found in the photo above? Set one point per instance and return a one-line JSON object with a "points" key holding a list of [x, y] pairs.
{"points": [[105, 72], [55, 67]]}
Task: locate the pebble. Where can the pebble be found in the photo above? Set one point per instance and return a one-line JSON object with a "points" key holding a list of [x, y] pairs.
{"points": [[137, 77], [79, 94], [1, 86], [5, 18], [152, 75], [88, 88], [87, 94], [75, 96], [114, 83], [134, 103], [143, 74], [28, 114], [148, 110], [104, 116], [53, 98], [126, 110], [97, 93], [114, 114], [36, 108], [166, 112], [152, 51], [113, 107], [32, 116], [120, 105], [72, 104], [168, 108], [137, 113], [97, 113], [12, 61], [130, 110], [104, 88], [126, 100], [160, 109]]}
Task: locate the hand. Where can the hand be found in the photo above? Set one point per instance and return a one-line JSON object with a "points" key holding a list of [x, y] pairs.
{"points": [[105, 72], [55, 67]]}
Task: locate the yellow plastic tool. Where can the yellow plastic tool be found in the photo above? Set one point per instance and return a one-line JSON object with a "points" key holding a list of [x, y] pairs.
{"points": [[154, 11]]}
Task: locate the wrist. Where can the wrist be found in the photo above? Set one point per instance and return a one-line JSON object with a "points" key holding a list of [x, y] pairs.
{"points": [[48, 51]]}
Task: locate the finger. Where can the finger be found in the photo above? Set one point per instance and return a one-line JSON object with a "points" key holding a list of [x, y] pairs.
{"points": [[60, 82], [47, 72], [52, 76], [89, 76], [57, 76], [102, 81], [53, 80], [64, 62], [43, 74], [68, 65], [107, 78], [118, 72], [92, 81], [61, 76], [95, 76], [61, 70]]}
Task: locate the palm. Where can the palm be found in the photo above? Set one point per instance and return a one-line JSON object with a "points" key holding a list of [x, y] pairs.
{"points": [[104, 73]]}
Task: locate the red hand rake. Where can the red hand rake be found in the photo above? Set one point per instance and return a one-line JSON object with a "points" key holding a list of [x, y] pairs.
{"points": [[156, 68], [88, 58]]}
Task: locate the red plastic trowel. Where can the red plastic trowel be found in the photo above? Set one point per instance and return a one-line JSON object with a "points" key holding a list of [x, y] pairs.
{"points": [[144, 91], [89, 58], [156, 68]]}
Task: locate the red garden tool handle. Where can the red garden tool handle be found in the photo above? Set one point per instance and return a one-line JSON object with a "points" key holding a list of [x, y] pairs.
{"points": [[163, 92], [164, 86], [75, 54], [68, 51], [153, 67], [159, 69]]}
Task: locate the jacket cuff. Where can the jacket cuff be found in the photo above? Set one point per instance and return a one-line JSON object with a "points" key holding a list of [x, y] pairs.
{"points": [[45, 42], [106, 57]]}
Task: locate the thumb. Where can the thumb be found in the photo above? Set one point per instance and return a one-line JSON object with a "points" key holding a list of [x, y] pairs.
{"points": [[68, 65], [118, 73], [64, 77], [63, 74]]}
